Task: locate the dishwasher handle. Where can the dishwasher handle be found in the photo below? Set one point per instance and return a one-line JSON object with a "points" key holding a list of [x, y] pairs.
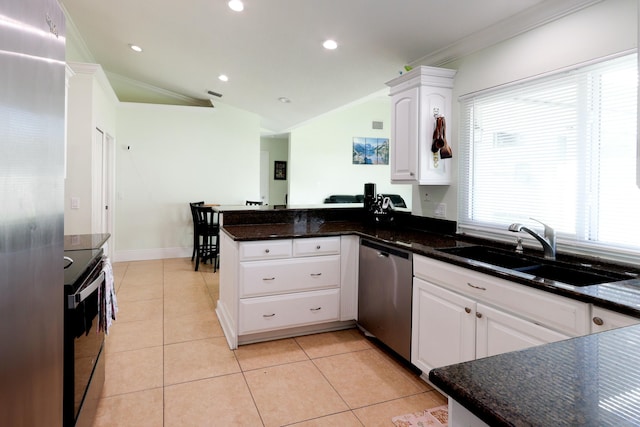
{"points": [[385, 251]]}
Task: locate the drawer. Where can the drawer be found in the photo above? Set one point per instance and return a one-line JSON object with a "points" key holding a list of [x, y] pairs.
{"points": [[316, 246], [284, 311], [288, 275], [553, 311], [265, 249]]}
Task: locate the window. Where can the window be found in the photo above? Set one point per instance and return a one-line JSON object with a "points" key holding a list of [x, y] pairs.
{"points": [[561, 149]]}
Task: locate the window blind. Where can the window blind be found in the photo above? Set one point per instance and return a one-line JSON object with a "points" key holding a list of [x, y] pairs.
{"points": [[561, 149]]}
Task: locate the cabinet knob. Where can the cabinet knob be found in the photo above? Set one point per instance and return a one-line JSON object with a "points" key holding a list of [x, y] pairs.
{"points": [[266, 251], [467, 310], [412, 174], [318, 247], [598, 321], [478, 315]]}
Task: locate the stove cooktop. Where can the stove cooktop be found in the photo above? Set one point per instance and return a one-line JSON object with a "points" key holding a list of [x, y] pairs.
{"points": [[83, 263]]}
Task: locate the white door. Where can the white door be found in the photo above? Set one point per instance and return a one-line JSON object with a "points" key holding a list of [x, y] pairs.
{"points": [[443, 327], [264, 176], [97, 182], [404, 135], [102, 185], [499, 332]]}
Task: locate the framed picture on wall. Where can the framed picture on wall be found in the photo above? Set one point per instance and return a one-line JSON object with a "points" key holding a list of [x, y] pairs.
{"points": [[280, 170], [370, 151]]}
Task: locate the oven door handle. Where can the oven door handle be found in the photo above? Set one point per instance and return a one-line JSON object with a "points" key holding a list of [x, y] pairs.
{"points": [[74, 300]]}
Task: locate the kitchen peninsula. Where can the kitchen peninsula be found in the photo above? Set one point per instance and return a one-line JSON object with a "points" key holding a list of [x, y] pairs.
{"points": [[576, 374]]}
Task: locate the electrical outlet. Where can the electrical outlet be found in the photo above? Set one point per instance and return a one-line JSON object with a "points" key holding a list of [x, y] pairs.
{"points": [[75, 203], [441, 210]]}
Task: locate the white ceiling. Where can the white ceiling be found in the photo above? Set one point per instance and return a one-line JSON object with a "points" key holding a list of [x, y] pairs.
{"points": [[274, 48]]}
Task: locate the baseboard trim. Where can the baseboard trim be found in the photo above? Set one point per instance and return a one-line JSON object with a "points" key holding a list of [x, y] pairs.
{"points": [[150, 254]]}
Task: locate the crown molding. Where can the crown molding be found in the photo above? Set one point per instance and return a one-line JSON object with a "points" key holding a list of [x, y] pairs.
{"points": [[534, 17], [119, 78], [98, 73]]}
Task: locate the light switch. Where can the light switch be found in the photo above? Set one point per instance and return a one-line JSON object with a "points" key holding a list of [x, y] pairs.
{"points": [[75, 203]]}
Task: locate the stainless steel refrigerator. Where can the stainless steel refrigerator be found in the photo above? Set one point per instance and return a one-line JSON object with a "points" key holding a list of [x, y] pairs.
{"points": [[32, 123]]}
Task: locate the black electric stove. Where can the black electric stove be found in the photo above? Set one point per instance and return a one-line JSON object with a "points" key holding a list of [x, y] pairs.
{"points": [[83, 341]]}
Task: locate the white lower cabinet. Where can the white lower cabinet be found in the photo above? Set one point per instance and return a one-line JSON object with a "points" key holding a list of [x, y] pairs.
{"points": [[451, 328], [500, 332], [443, 327], [605, 320], [461, 315], [275, 288]]}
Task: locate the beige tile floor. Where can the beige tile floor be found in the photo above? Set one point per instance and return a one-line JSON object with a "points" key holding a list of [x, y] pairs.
{"points": [[168, 364]]}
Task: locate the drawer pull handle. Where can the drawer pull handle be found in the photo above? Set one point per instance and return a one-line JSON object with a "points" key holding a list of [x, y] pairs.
{"points": [[598, 321], [268, 278], [477, 287], [266, 251], [316, 274], [269, 315], [316, 309]]}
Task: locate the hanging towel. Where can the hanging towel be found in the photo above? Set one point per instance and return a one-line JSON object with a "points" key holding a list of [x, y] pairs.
{"points": [[108, 304]]}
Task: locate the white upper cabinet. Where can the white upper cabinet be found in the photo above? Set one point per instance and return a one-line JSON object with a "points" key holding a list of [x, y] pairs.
{"points": [[417, 98]]}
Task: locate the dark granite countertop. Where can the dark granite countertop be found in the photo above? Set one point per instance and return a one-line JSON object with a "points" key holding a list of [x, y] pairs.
{"points": [[621, 296], [77, 242], [585, 381]]}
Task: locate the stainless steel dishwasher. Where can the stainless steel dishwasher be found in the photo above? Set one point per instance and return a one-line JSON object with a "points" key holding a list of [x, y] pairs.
{"points": [[384, 295]]}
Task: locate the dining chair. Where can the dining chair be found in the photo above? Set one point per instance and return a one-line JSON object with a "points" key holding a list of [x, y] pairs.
{"points": [[253, 203], [208, 236], [193, 205]]}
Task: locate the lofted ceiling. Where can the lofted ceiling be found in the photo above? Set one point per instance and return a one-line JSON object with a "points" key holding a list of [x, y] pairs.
{"points": [[273, 48]]}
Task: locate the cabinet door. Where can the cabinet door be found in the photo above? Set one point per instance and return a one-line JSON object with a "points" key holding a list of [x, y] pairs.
{"points": [[499, 332], [443, 329], [404, 136], [605, 320]]}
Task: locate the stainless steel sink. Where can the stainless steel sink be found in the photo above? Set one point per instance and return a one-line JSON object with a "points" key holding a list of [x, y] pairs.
{"points": [[538, 268]]}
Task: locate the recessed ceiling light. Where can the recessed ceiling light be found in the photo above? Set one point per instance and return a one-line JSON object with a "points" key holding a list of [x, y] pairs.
{"points": [[284, 100], [236, 5], [135, 47], [223, 77], [330, 44]]}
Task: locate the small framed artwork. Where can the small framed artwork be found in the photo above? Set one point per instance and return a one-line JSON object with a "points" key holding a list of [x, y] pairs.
{"points": [[370, 151], [280, 170]]}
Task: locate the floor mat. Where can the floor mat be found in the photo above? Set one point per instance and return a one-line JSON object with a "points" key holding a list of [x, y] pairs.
{"points": [[435, 417]]}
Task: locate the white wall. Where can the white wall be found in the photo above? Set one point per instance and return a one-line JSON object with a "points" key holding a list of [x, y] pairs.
{"points": [[606, 28], [320, 154], [278, 149], [178, 155], [91, 104]]}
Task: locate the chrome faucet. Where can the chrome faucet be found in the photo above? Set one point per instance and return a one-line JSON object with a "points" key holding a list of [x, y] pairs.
{"points": [[548, 241]]}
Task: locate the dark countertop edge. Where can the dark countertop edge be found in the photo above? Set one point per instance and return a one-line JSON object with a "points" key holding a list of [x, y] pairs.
{"points": [[79, 242], [466, 399], [431, 241]]}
